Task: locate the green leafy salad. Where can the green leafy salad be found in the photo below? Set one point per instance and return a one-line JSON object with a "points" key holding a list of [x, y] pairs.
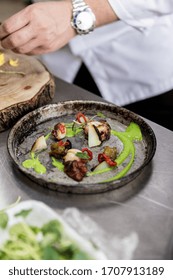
{"points": [[29, 242]]}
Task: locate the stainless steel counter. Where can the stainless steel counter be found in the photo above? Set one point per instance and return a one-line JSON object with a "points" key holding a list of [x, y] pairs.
{"points": [[144, 206]]}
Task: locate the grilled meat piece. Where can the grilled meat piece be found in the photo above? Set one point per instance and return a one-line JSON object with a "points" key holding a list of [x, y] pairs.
{"points": [[75, 169], [74, 166]]}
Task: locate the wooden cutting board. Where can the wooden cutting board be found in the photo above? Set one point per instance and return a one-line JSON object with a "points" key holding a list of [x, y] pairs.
{"points": [[25, 84]]}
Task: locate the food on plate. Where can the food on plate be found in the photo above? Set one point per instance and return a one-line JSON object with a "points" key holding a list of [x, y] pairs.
{"points": [[107, 158], [34, 163], [39, 145], [110, 152], [75, 163], [81, 118], [59, 149], [97, 132], [91, 133], [59, 131], [84, 155]]}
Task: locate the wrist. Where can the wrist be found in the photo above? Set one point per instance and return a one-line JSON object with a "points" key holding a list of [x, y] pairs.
{"points": [[88, 14], [69, 10], [83, 18]]}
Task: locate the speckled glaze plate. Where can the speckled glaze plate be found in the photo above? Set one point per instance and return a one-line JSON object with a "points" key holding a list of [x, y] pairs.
{"points": [[41, 122]]}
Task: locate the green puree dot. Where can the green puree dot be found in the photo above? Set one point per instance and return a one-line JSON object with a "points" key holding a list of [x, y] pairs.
{"points": [[34, 163]]}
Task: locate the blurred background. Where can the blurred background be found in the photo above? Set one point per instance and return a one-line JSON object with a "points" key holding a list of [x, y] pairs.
{"points": [[9, 7]]}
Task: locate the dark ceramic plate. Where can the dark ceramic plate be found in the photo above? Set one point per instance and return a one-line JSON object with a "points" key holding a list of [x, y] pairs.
{"points": [[41, 122]]}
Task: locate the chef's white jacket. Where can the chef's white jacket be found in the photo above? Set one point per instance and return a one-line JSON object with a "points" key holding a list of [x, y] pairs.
{"points": [[131, 59]]}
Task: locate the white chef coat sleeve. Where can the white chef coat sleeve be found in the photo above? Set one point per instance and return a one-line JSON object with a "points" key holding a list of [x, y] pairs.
{"points": [[142, 14]]}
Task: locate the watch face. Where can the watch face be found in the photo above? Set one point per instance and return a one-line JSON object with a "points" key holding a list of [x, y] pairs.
{"points": [[84, 20]]}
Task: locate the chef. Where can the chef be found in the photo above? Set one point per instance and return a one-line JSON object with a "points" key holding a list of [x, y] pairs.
{"points": [[129, 52]]}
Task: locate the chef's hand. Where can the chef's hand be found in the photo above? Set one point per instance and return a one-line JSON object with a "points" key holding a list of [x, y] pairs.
{"points": [[45, 27], [39, 28]]}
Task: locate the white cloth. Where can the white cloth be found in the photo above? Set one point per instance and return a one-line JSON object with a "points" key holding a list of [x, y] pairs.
{"points": [[131, 59]]}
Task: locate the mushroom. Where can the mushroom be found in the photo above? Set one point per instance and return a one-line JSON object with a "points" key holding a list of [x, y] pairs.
{"points": [[71, 155], [97, 132], [93, 136], [59, 131], [39, 145]]}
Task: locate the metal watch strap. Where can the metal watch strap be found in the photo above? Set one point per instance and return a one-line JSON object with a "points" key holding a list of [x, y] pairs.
{"points": [[82, 14], [79, 5]]}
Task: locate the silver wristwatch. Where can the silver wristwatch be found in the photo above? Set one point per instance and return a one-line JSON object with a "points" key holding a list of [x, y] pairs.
{"points": [[83, 19]]}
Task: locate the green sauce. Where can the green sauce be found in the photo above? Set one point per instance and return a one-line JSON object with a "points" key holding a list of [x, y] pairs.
{"points": [[34, 163], [58, 164], [121, 158], [127, 137]]}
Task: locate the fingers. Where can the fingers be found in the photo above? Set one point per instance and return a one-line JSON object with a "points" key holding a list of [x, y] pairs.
{"points": [[39, 28], [28, 47], [13, 24], [32, 48], [28, 30], [18, 38]]}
